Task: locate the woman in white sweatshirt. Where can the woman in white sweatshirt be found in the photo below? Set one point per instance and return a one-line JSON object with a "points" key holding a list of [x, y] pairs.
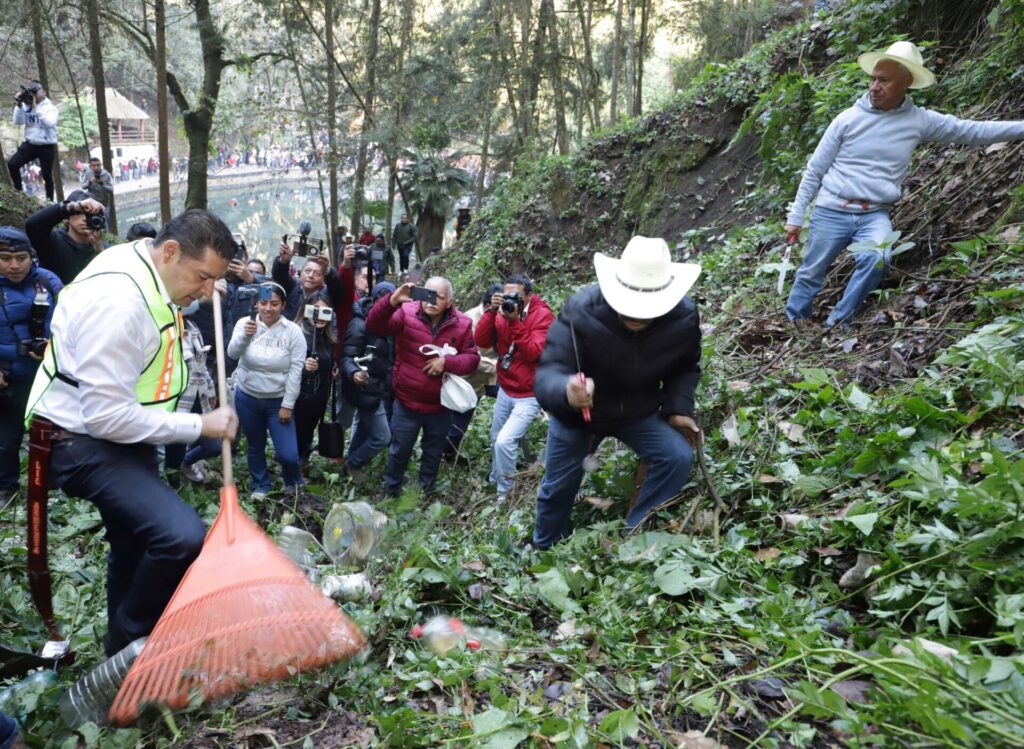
{"points": [[271, 352]]}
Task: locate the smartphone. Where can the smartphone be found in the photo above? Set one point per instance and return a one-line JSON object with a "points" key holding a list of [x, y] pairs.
{"points": [[423, 294], [266, 293]]}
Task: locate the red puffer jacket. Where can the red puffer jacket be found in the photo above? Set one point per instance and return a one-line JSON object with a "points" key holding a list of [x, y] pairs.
{"points": [[524, 338], [411, 329]]}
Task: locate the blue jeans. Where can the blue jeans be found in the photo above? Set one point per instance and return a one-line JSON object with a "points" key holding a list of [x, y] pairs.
{"points": [[258, 416], [13, 400], [405, 429], [372, 434], [509, 422], [153, 534], [831, 232], [666, 451], [8, 731]]}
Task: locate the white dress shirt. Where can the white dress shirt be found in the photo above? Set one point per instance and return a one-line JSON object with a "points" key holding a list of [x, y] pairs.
{"points": [[104, 338]]}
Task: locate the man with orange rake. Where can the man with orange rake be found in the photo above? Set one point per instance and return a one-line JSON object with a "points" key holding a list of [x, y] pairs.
{"points": [[105, 396]]}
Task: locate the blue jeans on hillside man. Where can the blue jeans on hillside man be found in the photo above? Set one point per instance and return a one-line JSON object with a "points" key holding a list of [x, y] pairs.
{"points": [[509, 422], [831, 232], [153, 534], [258, 416], [372, 434], [666, 451], [8, 731], [406, 425]]}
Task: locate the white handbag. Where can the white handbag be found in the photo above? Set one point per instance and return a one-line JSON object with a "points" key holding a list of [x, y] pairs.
{"points": [[456, 393]]}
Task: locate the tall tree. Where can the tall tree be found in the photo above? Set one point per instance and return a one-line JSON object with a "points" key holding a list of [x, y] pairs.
{"points": [[163, 150], [630, 55], [36, 13], [555, 67], [359, 181], [433, 183], [92, 14], [589, 79], [613, 104], [5, 174], [642, 43], [332, 123], [399, 103]]}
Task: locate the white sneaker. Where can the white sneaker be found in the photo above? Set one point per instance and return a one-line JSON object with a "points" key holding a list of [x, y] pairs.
{"points": [[502, 499], [258, 496], [192, 473]]}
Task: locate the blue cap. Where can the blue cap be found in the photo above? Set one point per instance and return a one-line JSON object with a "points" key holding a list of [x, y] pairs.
{"points": [[15, 239], [384, 287]]}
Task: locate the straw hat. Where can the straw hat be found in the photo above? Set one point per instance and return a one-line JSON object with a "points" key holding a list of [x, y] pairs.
{"points": [[644, 283], [907, 55]]}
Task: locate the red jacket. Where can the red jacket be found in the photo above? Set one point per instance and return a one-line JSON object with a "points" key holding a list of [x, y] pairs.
{"points": [[527, 336], [411, 329]]}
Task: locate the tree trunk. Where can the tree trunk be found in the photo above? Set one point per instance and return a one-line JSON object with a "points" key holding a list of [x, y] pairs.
{"points": [[638, 97], [5, 175], [71, 79], [430, 227], [485, 147], [589, 84], [405, 35], [630, 56], [536, 64], [311, 131], [332, 125], [44, 78], [92, 14], [359, 182], [613, 105], [163, 149], [561, 130]]}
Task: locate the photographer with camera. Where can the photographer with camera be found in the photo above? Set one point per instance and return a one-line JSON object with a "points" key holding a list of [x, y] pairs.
{"points": [[381, 259], [98, 183], [315, 275], [366, 361], [39, 116], [516, 324], [28, 295], [316, 320], [636, 336], [66, 250], [431, 338]]}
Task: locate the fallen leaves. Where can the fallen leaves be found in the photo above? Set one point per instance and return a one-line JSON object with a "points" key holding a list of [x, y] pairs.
{"points": [[731, 431]]}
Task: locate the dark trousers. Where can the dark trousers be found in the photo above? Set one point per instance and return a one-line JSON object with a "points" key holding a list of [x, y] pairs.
{"points": [[403, 256], [666, 451], [26, 153], [8, 731], [153, 534], [406, 425], [309, 411], [13, 400], [460, 423]]}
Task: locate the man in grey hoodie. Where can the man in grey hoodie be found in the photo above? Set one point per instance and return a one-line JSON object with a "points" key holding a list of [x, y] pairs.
{"points": [[857, 170], [39, 115]]}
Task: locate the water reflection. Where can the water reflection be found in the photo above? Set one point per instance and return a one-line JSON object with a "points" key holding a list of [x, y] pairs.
{"points": [[261, 216]]}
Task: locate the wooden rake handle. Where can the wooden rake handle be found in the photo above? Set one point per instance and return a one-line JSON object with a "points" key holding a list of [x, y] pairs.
{"points": [[222, 384]]}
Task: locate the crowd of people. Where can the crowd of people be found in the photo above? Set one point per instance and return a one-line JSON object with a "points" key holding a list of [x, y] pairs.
{"points": [[96, 357]]}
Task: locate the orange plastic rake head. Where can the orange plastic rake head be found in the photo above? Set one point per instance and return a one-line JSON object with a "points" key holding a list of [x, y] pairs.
{"points": [[242, 615]]}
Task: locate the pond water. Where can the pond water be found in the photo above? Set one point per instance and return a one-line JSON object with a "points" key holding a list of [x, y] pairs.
{"points": [[261, 215]]}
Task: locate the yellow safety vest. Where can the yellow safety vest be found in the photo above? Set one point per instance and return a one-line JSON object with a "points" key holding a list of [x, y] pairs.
{"points": [[165, 376]]}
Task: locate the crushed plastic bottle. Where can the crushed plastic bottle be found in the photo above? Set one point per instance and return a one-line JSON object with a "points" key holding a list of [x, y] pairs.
{"points": [[441, 634], [350, 532], [295, 542], [89, 699], [346, 587], [18, 699]]}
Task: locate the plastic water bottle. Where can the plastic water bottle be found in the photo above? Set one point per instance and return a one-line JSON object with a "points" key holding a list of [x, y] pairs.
{"points": [[441, 634], [12, 699], [295, 542], [89, 699], [350, 532]]}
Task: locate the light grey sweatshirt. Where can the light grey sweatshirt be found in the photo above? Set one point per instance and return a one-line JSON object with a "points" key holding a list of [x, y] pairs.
{"points": [[40, 122], [864, 155], [270, 363]]}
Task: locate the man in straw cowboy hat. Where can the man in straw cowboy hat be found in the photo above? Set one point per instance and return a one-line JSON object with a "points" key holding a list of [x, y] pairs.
{"points": [[636, 336], [857, 170]]}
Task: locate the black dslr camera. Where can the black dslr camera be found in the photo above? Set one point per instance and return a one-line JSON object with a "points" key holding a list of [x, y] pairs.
{"points": [[512, 302], [36, 345], [96, 221], [25, 96]]}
